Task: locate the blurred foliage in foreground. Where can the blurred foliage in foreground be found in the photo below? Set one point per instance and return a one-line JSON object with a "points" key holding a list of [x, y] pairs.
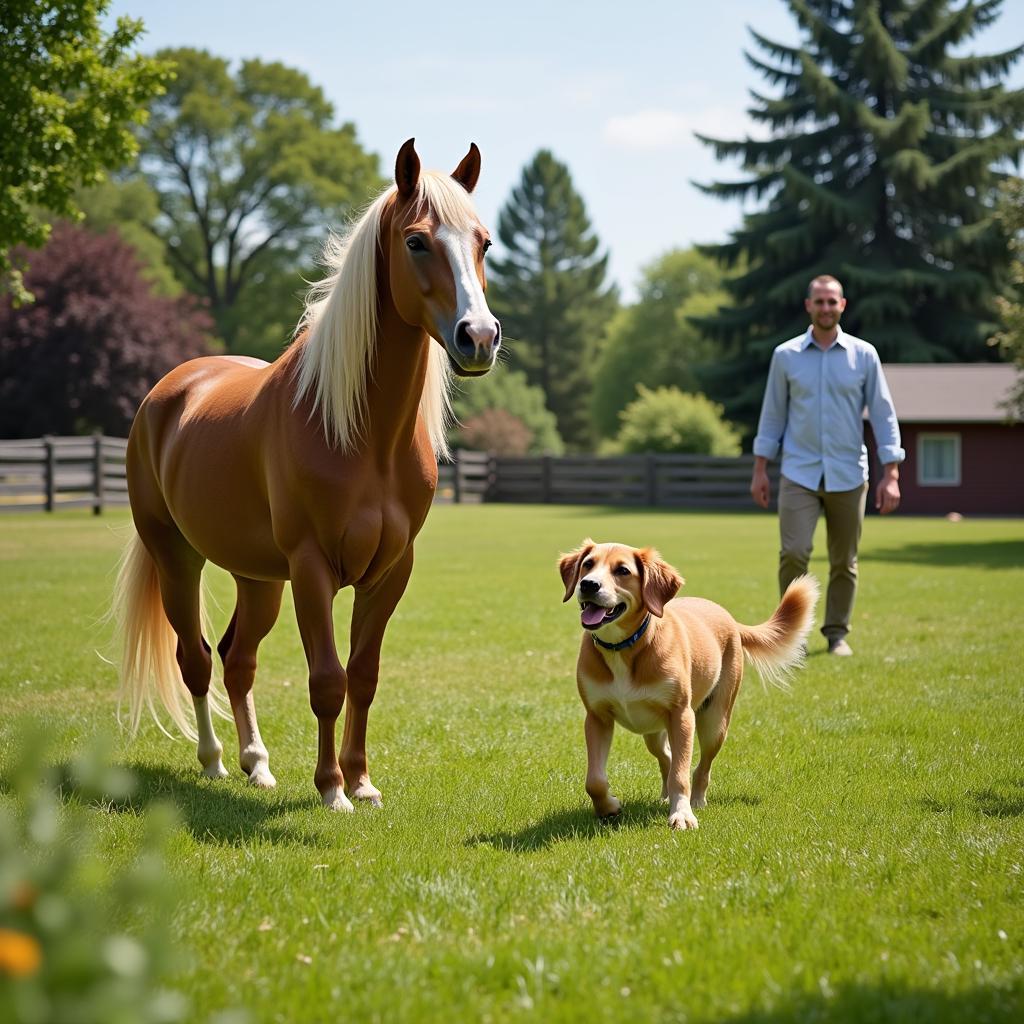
{"points": [[83, 939]]}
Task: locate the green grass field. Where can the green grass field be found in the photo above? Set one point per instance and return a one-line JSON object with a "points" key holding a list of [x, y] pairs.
{"points": [[861, 857]]}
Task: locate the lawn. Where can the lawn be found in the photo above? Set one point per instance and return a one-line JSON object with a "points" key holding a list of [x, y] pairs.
{"points": [[860, 858]]}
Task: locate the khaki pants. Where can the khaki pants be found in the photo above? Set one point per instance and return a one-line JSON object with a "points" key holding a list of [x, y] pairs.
{"points": [[799, 509]]}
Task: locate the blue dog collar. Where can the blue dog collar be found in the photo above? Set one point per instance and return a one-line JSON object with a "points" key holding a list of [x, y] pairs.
{"points": [[623, 644]]}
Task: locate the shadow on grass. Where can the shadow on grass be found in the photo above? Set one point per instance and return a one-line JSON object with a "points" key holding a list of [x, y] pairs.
{"points": [[885, 1004], [988, 802], [988, 554], [580, 823], [217, 811]]}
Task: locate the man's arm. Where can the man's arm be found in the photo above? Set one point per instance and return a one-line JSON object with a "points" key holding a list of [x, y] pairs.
{"points": [[887, 494], [770, 428], [760, 485], [882, 414]]}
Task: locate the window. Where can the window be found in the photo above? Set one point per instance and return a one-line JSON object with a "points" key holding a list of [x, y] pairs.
{"points": [[938, 460]]}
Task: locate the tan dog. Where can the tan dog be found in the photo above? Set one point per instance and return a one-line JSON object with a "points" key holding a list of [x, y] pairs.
{"points": [[663, 667]]}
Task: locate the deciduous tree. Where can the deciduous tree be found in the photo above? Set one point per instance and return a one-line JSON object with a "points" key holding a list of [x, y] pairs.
{"points": [[250, 170], [70, 95], [654, 341]]}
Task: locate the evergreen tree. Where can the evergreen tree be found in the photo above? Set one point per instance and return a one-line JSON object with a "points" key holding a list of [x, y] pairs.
{"points": [[881, 169], [549, 291], [1010, 340]]}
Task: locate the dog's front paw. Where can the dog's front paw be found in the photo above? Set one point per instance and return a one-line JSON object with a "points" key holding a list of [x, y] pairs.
{"points": [[683, 819], [610, 807]]}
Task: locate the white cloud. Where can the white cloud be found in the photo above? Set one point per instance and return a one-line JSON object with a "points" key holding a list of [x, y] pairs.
{"points": [[673, 129]]}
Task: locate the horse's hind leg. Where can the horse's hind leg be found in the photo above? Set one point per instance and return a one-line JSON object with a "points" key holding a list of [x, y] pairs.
{"points": [[255, 614], [180, 568]]}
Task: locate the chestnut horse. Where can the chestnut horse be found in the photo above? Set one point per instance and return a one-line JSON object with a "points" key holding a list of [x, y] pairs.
{"points": [[318, 468]]}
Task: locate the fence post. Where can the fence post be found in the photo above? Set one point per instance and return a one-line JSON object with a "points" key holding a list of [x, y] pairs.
{"points": [[97, 472], [51, 472], [652, 479], [491, 485], [545, 479], [457, 477]]}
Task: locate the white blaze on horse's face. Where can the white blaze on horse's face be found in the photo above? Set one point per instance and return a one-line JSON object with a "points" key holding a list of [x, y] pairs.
{"points": [[474, 332]]}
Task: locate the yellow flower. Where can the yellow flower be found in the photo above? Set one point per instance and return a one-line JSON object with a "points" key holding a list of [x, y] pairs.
{"points": [[20, 954]]}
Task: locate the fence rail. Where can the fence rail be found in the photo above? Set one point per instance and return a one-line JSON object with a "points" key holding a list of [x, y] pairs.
{"points": [[62, 472], [679, 481], [76, 472]]}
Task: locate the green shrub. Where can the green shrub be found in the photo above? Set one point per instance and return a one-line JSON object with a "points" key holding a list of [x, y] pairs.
{"points": [[507, 390], [668, 420]]}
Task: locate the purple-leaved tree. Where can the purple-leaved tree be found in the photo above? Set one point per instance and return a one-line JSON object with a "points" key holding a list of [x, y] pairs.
{"points": [[96, 339]]}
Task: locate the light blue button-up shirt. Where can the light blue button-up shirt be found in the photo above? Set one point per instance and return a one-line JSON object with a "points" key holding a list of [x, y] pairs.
{"points": [[814, 410]]}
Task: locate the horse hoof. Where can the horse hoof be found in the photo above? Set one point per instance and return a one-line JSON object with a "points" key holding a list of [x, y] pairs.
{"points": [[335, 800], [368, 794], [262, 779], [215, 770]]}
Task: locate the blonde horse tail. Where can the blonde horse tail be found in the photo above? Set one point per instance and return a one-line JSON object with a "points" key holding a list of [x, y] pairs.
{"points": [[148, 663]]}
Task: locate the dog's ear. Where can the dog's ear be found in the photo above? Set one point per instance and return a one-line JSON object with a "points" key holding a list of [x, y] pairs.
{"points": [[569, 567], [659, 582]]}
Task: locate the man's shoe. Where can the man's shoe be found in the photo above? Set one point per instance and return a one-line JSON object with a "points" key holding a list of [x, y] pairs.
{"points": [[840, 647]]}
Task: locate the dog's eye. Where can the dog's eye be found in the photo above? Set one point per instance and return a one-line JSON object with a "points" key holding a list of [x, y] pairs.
{"points": [[622, 570], [588, 564]]}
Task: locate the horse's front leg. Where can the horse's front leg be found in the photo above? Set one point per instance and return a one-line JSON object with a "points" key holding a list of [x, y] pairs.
{"points": [[370, 614], [314, 586]]}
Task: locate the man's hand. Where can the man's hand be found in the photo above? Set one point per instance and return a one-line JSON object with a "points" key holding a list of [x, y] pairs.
{"points": [[887, 496], [760, 485]]}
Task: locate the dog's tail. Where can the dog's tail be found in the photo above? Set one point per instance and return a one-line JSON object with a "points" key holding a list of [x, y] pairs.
{"points": [[776, 647]]}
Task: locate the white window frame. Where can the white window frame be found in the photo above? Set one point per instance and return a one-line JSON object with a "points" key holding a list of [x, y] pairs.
{"points": [[936, 436]]}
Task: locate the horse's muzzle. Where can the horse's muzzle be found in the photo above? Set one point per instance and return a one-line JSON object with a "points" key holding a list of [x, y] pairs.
{"points": [[474, 346]]}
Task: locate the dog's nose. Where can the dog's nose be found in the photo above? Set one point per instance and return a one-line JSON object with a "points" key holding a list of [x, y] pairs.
{"points": [[589, 586]]}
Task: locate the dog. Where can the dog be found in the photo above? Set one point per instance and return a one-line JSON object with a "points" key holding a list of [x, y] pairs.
{"points": [[666, 667]]}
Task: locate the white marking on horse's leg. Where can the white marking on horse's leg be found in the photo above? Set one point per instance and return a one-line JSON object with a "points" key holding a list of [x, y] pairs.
{"points": [[252, 753], [335, 800], [366, 790], [209, 748]]}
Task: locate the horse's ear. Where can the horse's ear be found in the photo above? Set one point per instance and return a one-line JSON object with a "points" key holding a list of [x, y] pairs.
{"points": [[467, 174], [407, 169]]}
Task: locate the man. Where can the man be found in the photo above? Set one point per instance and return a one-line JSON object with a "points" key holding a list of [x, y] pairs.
{"points": [[818, 386]]}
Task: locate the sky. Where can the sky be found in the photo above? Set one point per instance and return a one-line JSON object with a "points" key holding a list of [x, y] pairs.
{"points": [[614, 89]]}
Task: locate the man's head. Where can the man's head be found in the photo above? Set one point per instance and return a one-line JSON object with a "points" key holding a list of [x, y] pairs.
{"points": [[825, 302]]}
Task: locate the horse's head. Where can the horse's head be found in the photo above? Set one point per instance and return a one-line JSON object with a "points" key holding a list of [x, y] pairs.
{"points": [[436, 247]]}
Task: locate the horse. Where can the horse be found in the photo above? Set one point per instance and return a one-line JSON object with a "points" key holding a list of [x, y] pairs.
{"points": [[318, 468]]}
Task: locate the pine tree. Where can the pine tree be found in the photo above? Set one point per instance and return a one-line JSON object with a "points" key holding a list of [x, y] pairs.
{"points": [[881, 168], [549, 292]]}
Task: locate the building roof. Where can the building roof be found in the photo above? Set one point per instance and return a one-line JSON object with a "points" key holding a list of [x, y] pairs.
{"points": [[950, 392]]}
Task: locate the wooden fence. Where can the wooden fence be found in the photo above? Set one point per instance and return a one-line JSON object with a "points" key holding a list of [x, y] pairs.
{"points": [[62, 472], [74, 472], [678, 481]]}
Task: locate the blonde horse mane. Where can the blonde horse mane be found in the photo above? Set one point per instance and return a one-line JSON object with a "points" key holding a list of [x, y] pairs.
{"points": [[340, 320]]}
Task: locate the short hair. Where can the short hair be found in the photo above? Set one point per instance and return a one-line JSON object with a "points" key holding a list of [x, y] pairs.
{"points": [[824, 279]]}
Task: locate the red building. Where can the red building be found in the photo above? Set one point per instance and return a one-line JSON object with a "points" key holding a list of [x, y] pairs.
{"points": [[963, 453]]}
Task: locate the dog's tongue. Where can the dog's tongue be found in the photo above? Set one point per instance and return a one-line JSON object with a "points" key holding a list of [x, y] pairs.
{"points": [[592, 614]]}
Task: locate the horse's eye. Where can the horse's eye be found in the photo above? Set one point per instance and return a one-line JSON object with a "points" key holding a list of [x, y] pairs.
{"points": [[487, 245], [414, 243]]}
